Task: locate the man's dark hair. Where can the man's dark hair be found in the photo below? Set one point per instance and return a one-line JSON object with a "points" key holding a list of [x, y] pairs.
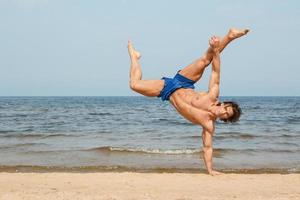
{"points": [[237, 111]]}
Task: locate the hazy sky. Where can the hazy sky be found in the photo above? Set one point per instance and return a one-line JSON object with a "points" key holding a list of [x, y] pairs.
{"points": [[78, 47]]}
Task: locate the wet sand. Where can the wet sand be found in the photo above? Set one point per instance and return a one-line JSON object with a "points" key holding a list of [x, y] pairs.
{"points": [[130, 185]]}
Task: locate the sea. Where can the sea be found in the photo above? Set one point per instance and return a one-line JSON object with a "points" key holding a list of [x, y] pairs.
{"points": [[141, 134]]}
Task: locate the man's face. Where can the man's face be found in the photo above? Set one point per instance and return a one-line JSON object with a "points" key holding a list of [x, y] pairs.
{"points": [[226, 111]]}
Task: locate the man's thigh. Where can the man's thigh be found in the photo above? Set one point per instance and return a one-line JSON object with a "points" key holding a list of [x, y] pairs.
{"points": [[150, 88], [194, 70]]}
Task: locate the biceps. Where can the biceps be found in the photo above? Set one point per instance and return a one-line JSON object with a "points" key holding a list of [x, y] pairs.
{"points": [[214, 79], [213, 90]]}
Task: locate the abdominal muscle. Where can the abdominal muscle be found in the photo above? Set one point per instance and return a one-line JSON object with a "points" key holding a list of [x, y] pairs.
{"points": [[183, 94], [188, 103]]}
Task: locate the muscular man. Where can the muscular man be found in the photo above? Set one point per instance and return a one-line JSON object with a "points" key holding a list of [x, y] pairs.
{"points": [[202, 108]]}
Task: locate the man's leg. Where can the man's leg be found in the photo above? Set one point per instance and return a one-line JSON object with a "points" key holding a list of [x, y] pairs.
{"points": [[195, 70], [149, 88]]}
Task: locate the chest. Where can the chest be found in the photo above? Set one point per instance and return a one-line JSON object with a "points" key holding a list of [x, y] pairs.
{"points": [[184, 105], [201, 101]]}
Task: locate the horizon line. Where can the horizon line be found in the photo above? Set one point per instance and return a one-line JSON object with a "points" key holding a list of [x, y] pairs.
{"points": [[138, 96]]}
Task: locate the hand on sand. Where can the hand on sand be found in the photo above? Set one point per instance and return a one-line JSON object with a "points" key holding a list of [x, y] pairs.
{"points": [[132, 52], [215, 173], [214, 42]]}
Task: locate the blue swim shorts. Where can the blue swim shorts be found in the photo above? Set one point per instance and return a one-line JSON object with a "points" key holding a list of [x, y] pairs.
{"points": [[172, 84]]}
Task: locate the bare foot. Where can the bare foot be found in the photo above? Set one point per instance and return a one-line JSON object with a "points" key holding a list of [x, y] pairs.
{"points": [[214, 42], [132, 52], [235, 33]]}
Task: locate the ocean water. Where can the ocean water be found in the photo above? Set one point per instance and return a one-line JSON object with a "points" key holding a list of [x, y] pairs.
{"points": [[144, 134]]}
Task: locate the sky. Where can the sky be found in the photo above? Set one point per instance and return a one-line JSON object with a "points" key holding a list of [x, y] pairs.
{"points": [[79, 48]]}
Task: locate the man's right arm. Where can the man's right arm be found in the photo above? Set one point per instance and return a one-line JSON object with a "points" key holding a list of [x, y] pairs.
{"points": [[214, 83], [208, 151], [215, 75]]}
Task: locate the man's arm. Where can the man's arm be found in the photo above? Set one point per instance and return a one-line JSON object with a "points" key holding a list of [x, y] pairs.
{"points": [[214, 82], [208, 151]]}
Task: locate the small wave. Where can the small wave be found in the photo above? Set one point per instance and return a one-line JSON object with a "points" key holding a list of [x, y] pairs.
{"points": [[225, 136], [287, 144], [20, 115], [6, 131], [243, 151], [59, 135], [107, 149], [293, 120], [284, 129], [237, 135], [282, 151], [56, 123], [30, 152], [141, 109], [254, 107], [28, 144], [217, 151], [19, 135], [190, 137], [100, 113], [173, 122], [22, 145], [29, 130], [288, 136], [36, 135]]}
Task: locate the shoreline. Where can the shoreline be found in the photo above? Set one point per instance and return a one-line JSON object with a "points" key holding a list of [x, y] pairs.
{"points": [[158, 186], [124, 169]]}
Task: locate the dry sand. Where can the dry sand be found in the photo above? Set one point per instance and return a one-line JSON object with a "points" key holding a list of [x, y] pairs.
{"points": [[164, 186]]}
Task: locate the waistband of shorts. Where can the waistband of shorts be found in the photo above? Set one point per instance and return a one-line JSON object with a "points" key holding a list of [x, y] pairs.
{"points": [[183, 78]]}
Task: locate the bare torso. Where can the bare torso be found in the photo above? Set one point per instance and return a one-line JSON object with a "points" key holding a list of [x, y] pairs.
{"points": [[194, 106]]}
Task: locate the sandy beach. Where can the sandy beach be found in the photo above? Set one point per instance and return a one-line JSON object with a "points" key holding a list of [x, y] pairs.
{"points": [[129, 185]]}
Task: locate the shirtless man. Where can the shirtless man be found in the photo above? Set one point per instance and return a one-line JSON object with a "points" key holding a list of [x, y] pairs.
{"points": [[202, 108]]}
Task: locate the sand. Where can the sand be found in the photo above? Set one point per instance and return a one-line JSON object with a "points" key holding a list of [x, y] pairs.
{"points": [[164, 186]]}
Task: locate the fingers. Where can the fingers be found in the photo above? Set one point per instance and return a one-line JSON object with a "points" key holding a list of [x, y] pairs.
{"points": [[214, 39], [129, 44]]}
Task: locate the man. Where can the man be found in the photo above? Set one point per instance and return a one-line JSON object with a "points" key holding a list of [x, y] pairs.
{"points": [[201, 108]]}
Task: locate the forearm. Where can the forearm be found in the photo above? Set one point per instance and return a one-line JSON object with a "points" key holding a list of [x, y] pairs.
{"points": [[207, 155], [207, 135], [216, 62], [215, 74]]}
